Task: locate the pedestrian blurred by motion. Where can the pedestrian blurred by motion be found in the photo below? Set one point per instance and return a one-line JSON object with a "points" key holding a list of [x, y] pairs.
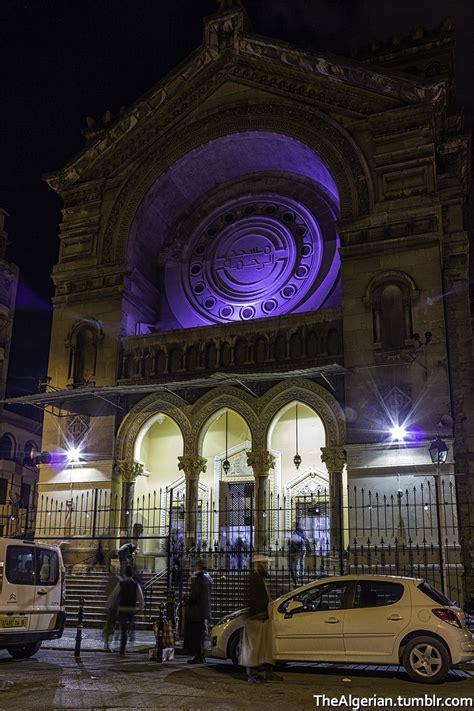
{"points": [[299, 545], [112, 609], [256, 645], [129, 596], [198, 612], [125, 556]]}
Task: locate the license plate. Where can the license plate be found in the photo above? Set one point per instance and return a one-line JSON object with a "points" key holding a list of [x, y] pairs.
{"points": [[12, 622]]}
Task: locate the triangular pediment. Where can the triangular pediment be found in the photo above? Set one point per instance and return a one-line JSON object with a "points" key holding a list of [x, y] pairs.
{"points": [[247, 69]]}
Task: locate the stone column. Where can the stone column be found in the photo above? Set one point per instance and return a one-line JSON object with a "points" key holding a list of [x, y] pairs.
{"points": [[261, 462], [127, 470], [335, 458], [192, 466]]}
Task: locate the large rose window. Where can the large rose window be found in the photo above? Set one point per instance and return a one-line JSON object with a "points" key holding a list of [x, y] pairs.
{"points": [[241, 228], [251, 259]]}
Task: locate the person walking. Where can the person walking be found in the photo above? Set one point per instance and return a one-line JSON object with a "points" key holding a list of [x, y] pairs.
{"points": [[112, 610], [298, 547], [256, 645], [125, 555], [128, 594], [198, 612]]}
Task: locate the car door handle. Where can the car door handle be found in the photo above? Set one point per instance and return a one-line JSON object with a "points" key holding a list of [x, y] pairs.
{"points": [[42, 592], [395, 618], [332, 620]]}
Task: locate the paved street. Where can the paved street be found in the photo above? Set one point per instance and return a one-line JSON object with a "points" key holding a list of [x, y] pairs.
{"points": [[54, 680]]}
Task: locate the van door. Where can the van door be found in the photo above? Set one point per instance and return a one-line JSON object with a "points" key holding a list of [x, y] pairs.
{"points": [[47, 589], [18, 588]]}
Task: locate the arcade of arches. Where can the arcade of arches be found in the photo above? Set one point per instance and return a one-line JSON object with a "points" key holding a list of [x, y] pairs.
{"points": [[239, 480]]}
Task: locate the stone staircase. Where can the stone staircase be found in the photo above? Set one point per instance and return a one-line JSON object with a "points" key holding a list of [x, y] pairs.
{"points": [[92, 587], [229, 593]]}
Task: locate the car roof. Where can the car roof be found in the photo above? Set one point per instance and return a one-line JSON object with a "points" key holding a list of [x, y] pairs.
{"points": [[20, 541], [349, 578]]}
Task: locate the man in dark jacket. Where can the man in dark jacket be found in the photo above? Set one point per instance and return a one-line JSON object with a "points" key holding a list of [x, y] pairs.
{"points": [[129, 596], [198, 611]]}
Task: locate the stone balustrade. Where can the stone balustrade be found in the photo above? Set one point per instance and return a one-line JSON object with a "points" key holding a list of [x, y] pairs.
{"points": [[299, 340]]}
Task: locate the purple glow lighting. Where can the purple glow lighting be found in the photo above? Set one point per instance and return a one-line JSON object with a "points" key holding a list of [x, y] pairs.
{"points": [[240, 266], [257, 254]]}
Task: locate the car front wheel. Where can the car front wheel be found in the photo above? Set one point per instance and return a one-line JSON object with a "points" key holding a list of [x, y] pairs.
{"points": [[234, 649], [24, 651], [426, 660]]}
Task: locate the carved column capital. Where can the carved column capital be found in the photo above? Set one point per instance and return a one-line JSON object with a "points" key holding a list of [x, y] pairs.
{"points": [[334, 458], [261, 462], [128, 470], [192, 465]]}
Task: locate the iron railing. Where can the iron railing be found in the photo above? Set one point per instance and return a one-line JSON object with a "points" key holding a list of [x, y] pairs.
{"points": [[412, 531]]}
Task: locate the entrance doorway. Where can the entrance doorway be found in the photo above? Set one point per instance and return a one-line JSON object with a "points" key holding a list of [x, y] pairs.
{"points": [[236, 529]]}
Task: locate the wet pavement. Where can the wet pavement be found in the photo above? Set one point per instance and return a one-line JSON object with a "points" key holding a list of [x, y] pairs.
{"points": [[53, 679]]}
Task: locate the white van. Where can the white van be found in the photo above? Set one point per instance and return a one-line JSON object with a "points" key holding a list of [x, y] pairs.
{"points": [[32, 595]]}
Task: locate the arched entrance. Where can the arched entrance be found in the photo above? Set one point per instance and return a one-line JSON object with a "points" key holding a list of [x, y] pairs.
{"points": [[296, 436], [226, 439]]}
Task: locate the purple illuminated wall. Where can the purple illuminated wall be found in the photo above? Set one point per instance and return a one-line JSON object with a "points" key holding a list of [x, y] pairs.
{"points": [[254, 254]]}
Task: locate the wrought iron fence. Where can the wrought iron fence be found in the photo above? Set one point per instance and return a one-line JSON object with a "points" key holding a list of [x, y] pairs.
{"points": [[412, 531]]}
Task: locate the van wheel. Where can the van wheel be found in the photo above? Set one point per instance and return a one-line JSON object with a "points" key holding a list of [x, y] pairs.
{"points": [[426, 660], [234, 649], [24, 650]]}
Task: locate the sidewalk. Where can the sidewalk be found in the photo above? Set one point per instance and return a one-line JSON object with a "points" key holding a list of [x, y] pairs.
{"points": [[92, 641]]}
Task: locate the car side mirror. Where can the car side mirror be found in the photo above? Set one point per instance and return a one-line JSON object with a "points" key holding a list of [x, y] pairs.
{"points": [[294, 606]]}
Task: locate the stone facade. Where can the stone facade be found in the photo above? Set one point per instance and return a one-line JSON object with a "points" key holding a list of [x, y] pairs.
{"points": [[264, 211]]}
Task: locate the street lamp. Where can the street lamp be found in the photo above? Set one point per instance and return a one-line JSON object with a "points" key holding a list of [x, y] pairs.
{"points": [[439, 452]]}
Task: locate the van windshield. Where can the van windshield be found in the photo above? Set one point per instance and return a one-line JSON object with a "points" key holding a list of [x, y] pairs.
{"points": [[31, 566]]}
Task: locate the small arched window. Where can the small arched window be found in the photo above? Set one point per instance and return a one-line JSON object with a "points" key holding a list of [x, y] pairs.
{"points": [[83, 345], [7, 447], [391, 295], [30, 452]]}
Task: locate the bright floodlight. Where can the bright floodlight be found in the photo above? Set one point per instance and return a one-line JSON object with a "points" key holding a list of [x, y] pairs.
{"points": [[398, 432], [73, 454]]}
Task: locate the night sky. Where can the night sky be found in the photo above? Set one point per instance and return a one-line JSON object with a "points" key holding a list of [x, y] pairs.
{"points": [[63, 60]]}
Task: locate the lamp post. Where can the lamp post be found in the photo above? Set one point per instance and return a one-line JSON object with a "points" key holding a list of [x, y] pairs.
{"points": [[439, 452]]}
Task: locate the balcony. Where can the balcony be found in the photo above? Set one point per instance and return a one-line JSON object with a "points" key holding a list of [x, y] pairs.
{"points": [[273, 344]]}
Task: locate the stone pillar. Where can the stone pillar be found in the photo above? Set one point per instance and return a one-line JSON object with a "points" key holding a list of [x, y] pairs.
{"points": [[127, 470], [261, 462], [335, 458], [192, 466]]}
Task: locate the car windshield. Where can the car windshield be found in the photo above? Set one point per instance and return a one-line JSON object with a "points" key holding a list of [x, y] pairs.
{"points": [[435, 594]]}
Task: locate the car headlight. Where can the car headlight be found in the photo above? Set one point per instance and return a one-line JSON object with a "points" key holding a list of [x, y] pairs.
{"points": [[230, 617]]}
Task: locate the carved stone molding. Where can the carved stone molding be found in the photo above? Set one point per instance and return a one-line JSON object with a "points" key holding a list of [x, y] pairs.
{"points": [[167, 403], [311, 394], [192, 466], [314, 128], [128, 470], [261, 462], [334, 458], [226, 398]]}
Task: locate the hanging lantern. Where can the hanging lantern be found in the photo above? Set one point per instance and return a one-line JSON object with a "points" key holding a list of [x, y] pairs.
{"points": [[226, 463], [297, 459]]}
